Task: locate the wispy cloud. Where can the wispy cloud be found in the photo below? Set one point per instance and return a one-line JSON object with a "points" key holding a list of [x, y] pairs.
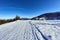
{"points": [[10, 8]]}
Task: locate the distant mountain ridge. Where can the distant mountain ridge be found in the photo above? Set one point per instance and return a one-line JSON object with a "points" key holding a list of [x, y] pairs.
{"points": [[48, 16]]}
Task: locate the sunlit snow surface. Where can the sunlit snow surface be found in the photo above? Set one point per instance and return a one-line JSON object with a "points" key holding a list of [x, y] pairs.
{"points": [[31, 30]]}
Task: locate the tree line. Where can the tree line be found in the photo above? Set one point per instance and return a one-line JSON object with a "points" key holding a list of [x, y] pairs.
{"points": [[9, 20]]}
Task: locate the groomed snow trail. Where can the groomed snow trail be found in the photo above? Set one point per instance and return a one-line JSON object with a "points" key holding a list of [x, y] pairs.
{"points": [[30, 30]]}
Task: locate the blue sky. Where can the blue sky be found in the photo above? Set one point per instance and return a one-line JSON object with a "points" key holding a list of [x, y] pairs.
{"points": [[27, 8]]}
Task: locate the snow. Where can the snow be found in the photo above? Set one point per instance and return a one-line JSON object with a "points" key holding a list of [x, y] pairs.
{"points": [[31, 30]]}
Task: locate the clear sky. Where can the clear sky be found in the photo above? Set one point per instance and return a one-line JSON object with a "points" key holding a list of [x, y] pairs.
{"points": [[27, 8]]}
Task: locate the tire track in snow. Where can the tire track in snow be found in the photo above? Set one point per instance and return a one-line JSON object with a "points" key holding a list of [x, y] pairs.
{"points": [[24, 30], [44, 37]]}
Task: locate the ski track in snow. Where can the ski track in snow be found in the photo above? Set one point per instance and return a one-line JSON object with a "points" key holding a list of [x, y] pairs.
{"points": [[30, 30]]}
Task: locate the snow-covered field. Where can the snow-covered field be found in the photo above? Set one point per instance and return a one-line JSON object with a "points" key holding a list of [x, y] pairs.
{"points": [[31, 30]]}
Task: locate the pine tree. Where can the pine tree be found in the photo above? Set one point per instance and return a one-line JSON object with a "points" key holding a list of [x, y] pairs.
{"points": [[17, 18]]}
